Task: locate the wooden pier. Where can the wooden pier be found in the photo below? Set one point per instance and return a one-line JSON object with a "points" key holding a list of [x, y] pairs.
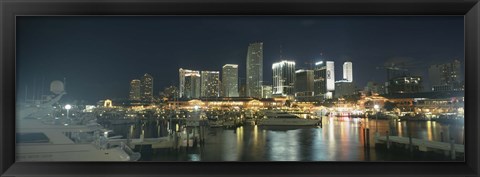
{"points": [[423, 145]]}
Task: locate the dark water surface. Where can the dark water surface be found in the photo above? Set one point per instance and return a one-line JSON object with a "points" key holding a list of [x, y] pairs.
{"points": [[338, 139]]}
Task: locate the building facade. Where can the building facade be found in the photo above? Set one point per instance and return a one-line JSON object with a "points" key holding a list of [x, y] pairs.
{"points": [[445, 77], [135, 94], [254, 77], [242, 87], [267, 91], [304, 82], [189, 83], [283, 78], [230, 80], [405, 84], [348, 71], [344, 88], [210, 84], [147, 87], [324, 78]]}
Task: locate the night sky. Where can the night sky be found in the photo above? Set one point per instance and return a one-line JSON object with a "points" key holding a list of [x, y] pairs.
{"points": [[99, 56]]}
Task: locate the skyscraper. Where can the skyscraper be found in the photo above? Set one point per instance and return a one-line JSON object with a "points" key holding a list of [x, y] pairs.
{"points": [[283, 77], [147, 87], [210, 84], [189, 83], [230, 80], [324, 78], [135, 90], [304, 82], [254, 70], [445, 77], [348, 71]]}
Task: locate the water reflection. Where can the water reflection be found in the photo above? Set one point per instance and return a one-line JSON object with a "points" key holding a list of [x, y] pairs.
{"points": [[339, 139]]}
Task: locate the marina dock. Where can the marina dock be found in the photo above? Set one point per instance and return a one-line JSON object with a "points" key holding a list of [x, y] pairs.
{"points": [[421, 144]]}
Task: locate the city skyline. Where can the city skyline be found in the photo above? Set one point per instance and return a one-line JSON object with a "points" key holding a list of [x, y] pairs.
{"points": [[91, 67]]}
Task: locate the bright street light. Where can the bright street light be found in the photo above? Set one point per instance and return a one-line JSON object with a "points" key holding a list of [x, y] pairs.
{"points": [[68, 107]]}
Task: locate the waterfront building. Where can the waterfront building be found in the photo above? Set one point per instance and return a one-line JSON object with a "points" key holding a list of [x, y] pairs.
{"points": [[228, 103], [283, 78], [189, 83], [135, 94], [210, 84], [254, 77], [436, 103], [404, 84], [348, 71], [304, 83], [324, 79], [344, 88], [230, 80], [267, 91], [147, 87], [445, 77]]}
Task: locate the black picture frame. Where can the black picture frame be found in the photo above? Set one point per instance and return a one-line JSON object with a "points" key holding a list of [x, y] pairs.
{"points": [[11, 8]]}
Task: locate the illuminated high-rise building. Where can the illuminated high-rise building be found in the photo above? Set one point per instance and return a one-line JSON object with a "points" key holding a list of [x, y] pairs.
{"points": [[324, 78], [147, 87], [135, 93], [283, 78], [254, 76], [230, 80], [210, 84], [348, 71], [189, 83]]}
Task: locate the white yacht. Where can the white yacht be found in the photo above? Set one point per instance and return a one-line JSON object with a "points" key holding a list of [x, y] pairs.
{"points": [[39, 140], [284, 118]]}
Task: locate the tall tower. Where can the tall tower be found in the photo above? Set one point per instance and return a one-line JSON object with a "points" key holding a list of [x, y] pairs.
{"points": [[210, 84], [283, 77], [348, 71], [147, 87], [135, 93], [254, 76], [324, 78], [189, 83], [230, 80]]}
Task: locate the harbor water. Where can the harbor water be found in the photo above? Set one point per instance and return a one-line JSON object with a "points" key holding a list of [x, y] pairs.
{"points": [[337, 139]]}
